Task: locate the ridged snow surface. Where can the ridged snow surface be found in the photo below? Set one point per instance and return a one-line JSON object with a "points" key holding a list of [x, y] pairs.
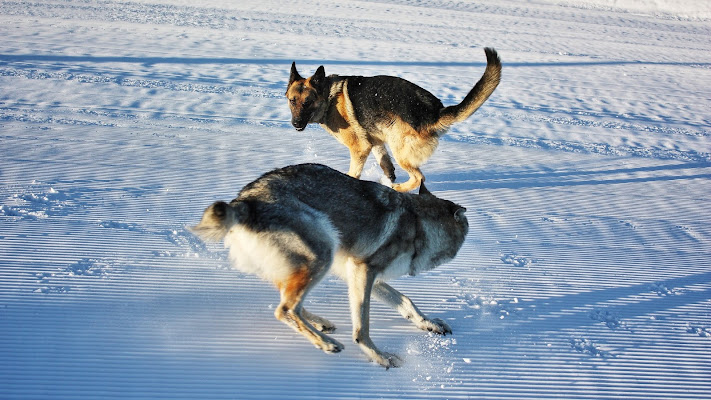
{"points": [[586, 273]]}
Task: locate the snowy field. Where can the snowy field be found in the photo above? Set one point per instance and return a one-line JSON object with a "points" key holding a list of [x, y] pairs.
{"points": [[586, 273]]}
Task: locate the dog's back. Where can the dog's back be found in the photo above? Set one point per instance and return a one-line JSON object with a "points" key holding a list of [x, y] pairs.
{"points": [[313, 201], [378, 98], [309, 210], [356, 208]]}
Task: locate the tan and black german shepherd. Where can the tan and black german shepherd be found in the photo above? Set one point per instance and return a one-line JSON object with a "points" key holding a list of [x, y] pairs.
{"points": [[365, 113], [294, 225]]}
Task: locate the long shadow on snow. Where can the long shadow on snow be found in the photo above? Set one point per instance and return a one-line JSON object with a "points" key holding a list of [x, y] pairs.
{"points": [[228, 60], [509, 180]]}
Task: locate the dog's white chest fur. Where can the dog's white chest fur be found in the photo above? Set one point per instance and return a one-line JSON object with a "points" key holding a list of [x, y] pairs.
{"points": [[401, 265]]}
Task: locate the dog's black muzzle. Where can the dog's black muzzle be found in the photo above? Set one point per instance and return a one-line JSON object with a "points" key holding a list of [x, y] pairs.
{"points": [[299, 125]]}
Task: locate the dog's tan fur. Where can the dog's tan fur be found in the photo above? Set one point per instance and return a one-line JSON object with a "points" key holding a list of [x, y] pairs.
{"points": [[371, 123]]}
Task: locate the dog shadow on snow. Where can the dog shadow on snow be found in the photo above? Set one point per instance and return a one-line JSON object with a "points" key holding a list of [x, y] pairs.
{"points": [[543, 179]]}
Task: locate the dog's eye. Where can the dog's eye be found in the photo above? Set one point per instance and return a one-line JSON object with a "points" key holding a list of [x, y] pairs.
{"points": [[306, 103]]}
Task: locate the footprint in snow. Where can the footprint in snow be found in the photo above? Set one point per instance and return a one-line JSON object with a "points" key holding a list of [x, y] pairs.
{"points": [[628, 223], [120, 225], [52, 289], [88, 267], [610, 320], [54, 282], [516, 260], [686, 232], [189, 245], [699, 330], [489, 305], [586, 346], [36, 201], [662, 290]]}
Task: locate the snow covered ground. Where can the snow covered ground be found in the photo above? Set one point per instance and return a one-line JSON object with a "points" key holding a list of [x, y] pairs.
{"points": [[587, 176]]}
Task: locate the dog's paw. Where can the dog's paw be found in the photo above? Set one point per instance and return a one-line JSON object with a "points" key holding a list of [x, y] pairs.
{"points": [[435, 325], [387, 181], [388, 360], [329, 345]]}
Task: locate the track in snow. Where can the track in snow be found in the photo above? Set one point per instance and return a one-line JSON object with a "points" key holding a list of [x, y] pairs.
{"points": [[586, 178]]}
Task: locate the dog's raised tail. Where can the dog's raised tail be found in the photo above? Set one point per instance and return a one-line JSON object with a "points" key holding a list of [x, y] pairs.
{"points": [[477, 96], [217, 220]]}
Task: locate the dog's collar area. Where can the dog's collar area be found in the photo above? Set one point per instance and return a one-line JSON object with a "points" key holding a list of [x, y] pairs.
{"points": [[319, 117]]}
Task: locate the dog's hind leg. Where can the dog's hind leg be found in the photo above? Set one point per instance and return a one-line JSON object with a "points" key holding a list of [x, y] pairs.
{"points": [[383, 158], [402, 304], [291, 312], [411, 149], [319, 323], [410, 160], [360, 284]]}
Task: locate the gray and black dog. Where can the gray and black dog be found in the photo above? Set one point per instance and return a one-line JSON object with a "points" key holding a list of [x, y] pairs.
{"points": [[293, 225]]}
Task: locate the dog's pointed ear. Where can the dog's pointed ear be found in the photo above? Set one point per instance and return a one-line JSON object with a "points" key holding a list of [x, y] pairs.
{"points": [[319, 77], [294, 76], [423, 189], [459, 214]]}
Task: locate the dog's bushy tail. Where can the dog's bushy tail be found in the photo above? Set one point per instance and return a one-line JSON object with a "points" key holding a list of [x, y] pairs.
{"points": [[477, 96], [217, 220]]}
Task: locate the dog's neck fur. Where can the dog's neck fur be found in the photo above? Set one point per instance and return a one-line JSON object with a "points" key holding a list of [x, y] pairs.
{"points": [[334, 83], [432, 230]]}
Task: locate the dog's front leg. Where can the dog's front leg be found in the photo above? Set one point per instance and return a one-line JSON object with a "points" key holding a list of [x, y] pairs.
{"points": [[360, 285], [390, 296]]}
